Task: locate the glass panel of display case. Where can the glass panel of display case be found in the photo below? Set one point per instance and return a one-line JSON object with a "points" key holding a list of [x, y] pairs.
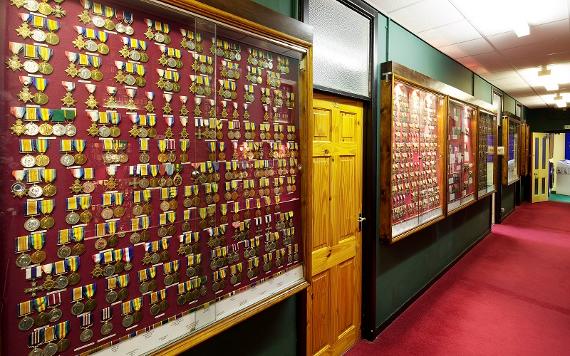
{"points": [[461, 159], [158, 155], [513, 152], [487, 141], [416, 172]]}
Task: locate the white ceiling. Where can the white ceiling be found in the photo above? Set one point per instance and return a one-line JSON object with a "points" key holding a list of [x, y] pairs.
{"points": [[479, 34]]}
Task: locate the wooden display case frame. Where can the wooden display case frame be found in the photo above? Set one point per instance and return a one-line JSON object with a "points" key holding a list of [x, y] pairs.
{"points": [[506, 120], [474, 138], [525, 150], [391, 71], [495, 156], [254, 20]]}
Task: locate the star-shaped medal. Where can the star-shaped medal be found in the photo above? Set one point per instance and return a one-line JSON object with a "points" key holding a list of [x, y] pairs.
{"points": [[149, 34], [18, 3], [58, 11], [14, 63], [84, 17], [79, 42], [25, 95], [72, 70], [91, 102], [124, 52], [24, 30], [167, 109], [149, 107], [18, 128], [93, 130], [68, 100]]}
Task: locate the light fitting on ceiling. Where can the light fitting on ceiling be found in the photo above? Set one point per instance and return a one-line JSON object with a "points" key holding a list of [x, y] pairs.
{"points": [[559, 101], [544, 71], [548, 80], [521, 28]]}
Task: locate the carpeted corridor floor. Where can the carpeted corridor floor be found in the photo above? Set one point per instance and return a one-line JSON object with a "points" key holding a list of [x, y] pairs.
{"points": [[510, 295]]}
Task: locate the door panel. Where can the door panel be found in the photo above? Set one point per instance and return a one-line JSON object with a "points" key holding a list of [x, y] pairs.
{"points": [[336, 200], [539, 179]]}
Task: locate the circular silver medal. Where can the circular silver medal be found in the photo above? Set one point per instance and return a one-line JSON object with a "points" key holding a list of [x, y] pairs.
{"points": [[32, 5], [35, 191], [28, 161], [23, 260], [129, 30], [143, 287], [154, 309], [171, 62], [104, 131], [32, 224], [130, 79], [128, 321], [98, 21], [85, 74], [120, 27], [72, 218], [135, 55], [50, 349], [111, 296], [70, 130], [106, 328], [67, 160], [39, 35], [32, 129], [31, 66], [91, 46], [109, 270], [86, 335], [61, 282], [159, 37], [26, 323], [58, 130], [64, 252], [77, 308], [55, 314]]}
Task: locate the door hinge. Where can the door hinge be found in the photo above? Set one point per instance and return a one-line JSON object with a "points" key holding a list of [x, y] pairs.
{"points": [[361, 220]]}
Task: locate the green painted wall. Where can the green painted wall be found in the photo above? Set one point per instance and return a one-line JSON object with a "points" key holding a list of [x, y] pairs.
{"points": [[509, 104], [407, 49], [285, 7], [405, 268], [508, 199], [482, 89], [272, 332]]}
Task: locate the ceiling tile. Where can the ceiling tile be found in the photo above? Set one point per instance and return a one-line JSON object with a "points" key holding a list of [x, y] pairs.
{"points": [[426, 15], [556, 33], [468, 48], [446, 35], [387, 6]]}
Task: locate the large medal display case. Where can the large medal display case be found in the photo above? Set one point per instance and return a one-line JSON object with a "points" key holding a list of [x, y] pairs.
{"points": [[429, 156], [413, 166], [151, 159], [461, 160], [511, 141], [487, 150]]}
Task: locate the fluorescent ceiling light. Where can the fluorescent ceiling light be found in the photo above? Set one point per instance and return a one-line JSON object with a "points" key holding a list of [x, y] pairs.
{"points": [[521, 28], [561, 104]]}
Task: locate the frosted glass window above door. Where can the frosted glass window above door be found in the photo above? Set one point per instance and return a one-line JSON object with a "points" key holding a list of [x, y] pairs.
{"points": [[341, 43]]}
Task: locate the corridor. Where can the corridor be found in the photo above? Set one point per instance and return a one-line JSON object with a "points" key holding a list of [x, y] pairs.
{"points": [[510, 295]]}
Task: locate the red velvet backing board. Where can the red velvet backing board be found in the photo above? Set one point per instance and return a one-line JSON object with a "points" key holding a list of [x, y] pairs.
{"points": [[273, 217]]}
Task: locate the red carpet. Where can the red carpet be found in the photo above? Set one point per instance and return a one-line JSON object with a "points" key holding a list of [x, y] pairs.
{"points": [[510, 295]]}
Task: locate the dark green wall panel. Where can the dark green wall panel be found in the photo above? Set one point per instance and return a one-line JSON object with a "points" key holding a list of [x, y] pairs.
{"points": [[482, 89], [409, 50], [286, 7], [509, 104], [406, 267], [508, 199], [545, 120], [272, 332]]}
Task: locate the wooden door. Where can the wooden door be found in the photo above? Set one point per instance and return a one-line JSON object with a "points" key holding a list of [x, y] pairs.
{"points": [[539, 181], [334, 297]]}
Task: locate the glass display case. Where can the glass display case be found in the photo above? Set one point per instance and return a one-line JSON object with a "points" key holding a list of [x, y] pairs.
{"points": [[511, 139], [462, 158], [414, 120], [154, 172], [487, 153]]}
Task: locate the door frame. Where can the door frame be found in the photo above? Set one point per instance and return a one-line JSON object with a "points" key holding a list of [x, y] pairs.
{"points": [[548, 136], [371, 109]]}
